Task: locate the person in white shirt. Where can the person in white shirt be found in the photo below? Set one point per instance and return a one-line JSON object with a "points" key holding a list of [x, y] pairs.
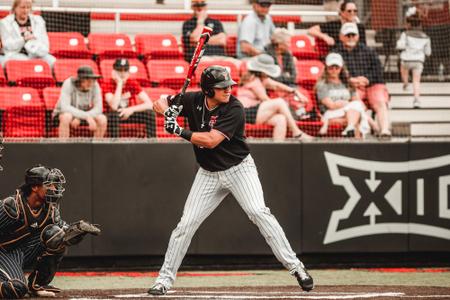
{"points": [[415, 45], [24, 35]]}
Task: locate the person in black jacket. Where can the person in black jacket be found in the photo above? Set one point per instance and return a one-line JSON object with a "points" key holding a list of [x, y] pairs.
{"points": [[366, 74]]}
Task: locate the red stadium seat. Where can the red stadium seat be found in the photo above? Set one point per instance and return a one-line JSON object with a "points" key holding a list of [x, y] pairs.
{"points": [[110, 45], [64, 68], [258, 130], [51, 97], [308, 71], [322, 48], [24, 114], [2, 77], [302, 47], [157, 46], [137, 70], [227, 64], [167, 73], [68, 45], [230, 47], [32, 73], [155, 93]]}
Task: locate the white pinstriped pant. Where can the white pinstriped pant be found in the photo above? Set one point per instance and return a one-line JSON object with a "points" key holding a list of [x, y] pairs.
{"points": [[207, 192]]}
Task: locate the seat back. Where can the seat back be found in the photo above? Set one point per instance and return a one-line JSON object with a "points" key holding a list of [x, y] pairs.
{"points": [[33, 73], [110, 45], [308, 72], [167, 73], [24, 114], [65, 68], [157, 46], [302, 47], [68, 45]]}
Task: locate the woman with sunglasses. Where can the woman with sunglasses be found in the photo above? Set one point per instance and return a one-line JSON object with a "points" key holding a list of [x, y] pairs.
{"points": [[339, 101], [259, 107], [329, 32]]}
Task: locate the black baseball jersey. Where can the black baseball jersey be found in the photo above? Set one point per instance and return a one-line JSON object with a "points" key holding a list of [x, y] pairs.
{"points": [[229, 119], [18, 223]]}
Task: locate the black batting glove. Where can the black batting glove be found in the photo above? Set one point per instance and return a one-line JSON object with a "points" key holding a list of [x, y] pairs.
{"points": [[171, 126], [173, 111]]}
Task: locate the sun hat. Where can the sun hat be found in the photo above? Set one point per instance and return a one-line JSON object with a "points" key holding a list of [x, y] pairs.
{"points": [[264, 63]]}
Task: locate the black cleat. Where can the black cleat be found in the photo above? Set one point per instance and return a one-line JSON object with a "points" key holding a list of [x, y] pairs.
{"points": [[158, 289], [304, 279]]}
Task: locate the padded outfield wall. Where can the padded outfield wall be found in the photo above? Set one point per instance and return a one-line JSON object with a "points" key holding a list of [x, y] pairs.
{"points": [[329, 197]]}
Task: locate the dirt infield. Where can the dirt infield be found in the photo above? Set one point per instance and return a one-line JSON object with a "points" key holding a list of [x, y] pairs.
{"points": [[321, 292], [403, 283]]}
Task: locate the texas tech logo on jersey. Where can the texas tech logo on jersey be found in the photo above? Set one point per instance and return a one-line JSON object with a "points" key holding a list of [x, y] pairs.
{"points": [[410, 197], [212, 121]]}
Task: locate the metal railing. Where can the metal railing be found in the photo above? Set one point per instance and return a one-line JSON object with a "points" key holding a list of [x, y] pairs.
{"points": [[119, 11]]}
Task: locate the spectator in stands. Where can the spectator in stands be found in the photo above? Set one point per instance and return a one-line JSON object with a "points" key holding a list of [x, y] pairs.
{"points": [[338, 99], [80, 102], [193, 27], [366, 74], [329, 32], [255, 30], [24, 35], [259, 108], [279, 49], [415, 46], [127, 102]]}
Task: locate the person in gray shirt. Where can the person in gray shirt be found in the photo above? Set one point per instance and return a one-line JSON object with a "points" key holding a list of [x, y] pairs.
{"points": [[255, 30], [81, 102]]}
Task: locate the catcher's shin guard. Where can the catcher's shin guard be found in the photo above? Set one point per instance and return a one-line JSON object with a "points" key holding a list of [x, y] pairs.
{"points": [[13, 289], [43, 274]]}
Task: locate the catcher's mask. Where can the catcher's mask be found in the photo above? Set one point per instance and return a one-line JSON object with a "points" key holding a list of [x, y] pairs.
{"points": [[51, 178]]}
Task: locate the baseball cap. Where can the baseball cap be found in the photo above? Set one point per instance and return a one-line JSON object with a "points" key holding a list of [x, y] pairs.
{"points": [[348, 28], [334, 59], [86, 72], [121, 64], [264, 1], [198, 3]]}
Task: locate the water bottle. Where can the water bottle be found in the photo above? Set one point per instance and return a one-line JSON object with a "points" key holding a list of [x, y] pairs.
{"points": [[441, 72]]}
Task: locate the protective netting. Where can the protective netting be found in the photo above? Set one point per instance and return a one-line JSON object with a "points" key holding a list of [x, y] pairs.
{"points": [[44, 94]]}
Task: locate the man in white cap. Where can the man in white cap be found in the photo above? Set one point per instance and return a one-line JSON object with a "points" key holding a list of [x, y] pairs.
{"points": [[255, 30], [329, 32], [366, 74]]}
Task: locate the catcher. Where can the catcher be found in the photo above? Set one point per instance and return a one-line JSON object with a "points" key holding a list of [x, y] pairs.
{"points": [[32, 234]]}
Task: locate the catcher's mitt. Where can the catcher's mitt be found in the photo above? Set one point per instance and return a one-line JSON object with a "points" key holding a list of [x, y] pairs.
{"points": [[76, 231]]}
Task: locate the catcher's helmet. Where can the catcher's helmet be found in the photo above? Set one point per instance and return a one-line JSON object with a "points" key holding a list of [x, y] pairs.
{"points": [[215, 77], [50, 177]]}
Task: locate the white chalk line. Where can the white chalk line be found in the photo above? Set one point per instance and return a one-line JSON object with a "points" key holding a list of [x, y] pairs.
{"points": [[279, 296]]}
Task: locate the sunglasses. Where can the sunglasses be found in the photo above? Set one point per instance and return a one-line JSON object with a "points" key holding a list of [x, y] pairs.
{"points": [[352, 11], [334, 67], [223, 88], [266, 5], [351, 35]]}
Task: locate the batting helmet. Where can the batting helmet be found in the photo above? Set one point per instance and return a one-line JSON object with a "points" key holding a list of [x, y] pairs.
{"points": [[215, 77], [42, 175]]}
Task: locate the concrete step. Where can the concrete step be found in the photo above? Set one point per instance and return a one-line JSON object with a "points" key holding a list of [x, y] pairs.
{"points": [[429, 129], [420, 115], [426, 88], [403, 101]]}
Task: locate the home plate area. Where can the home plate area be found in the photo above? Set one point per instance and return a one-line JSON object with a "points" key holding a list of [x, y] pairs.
{"points": [[321, 292]]}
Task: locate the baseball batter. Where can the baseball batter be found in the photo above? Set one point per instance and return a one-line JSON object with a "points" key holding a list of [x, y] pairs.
{"points": [[217, 123]]}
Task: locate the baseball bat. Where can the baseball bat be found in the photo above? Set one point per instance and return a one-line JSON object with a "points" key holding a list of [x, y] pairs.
{"points": [[198, 53]]}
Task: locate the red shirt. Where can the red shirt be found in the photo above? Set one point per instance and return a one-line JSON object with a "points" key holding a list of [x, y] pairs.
{"points": [[129, 92]]}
